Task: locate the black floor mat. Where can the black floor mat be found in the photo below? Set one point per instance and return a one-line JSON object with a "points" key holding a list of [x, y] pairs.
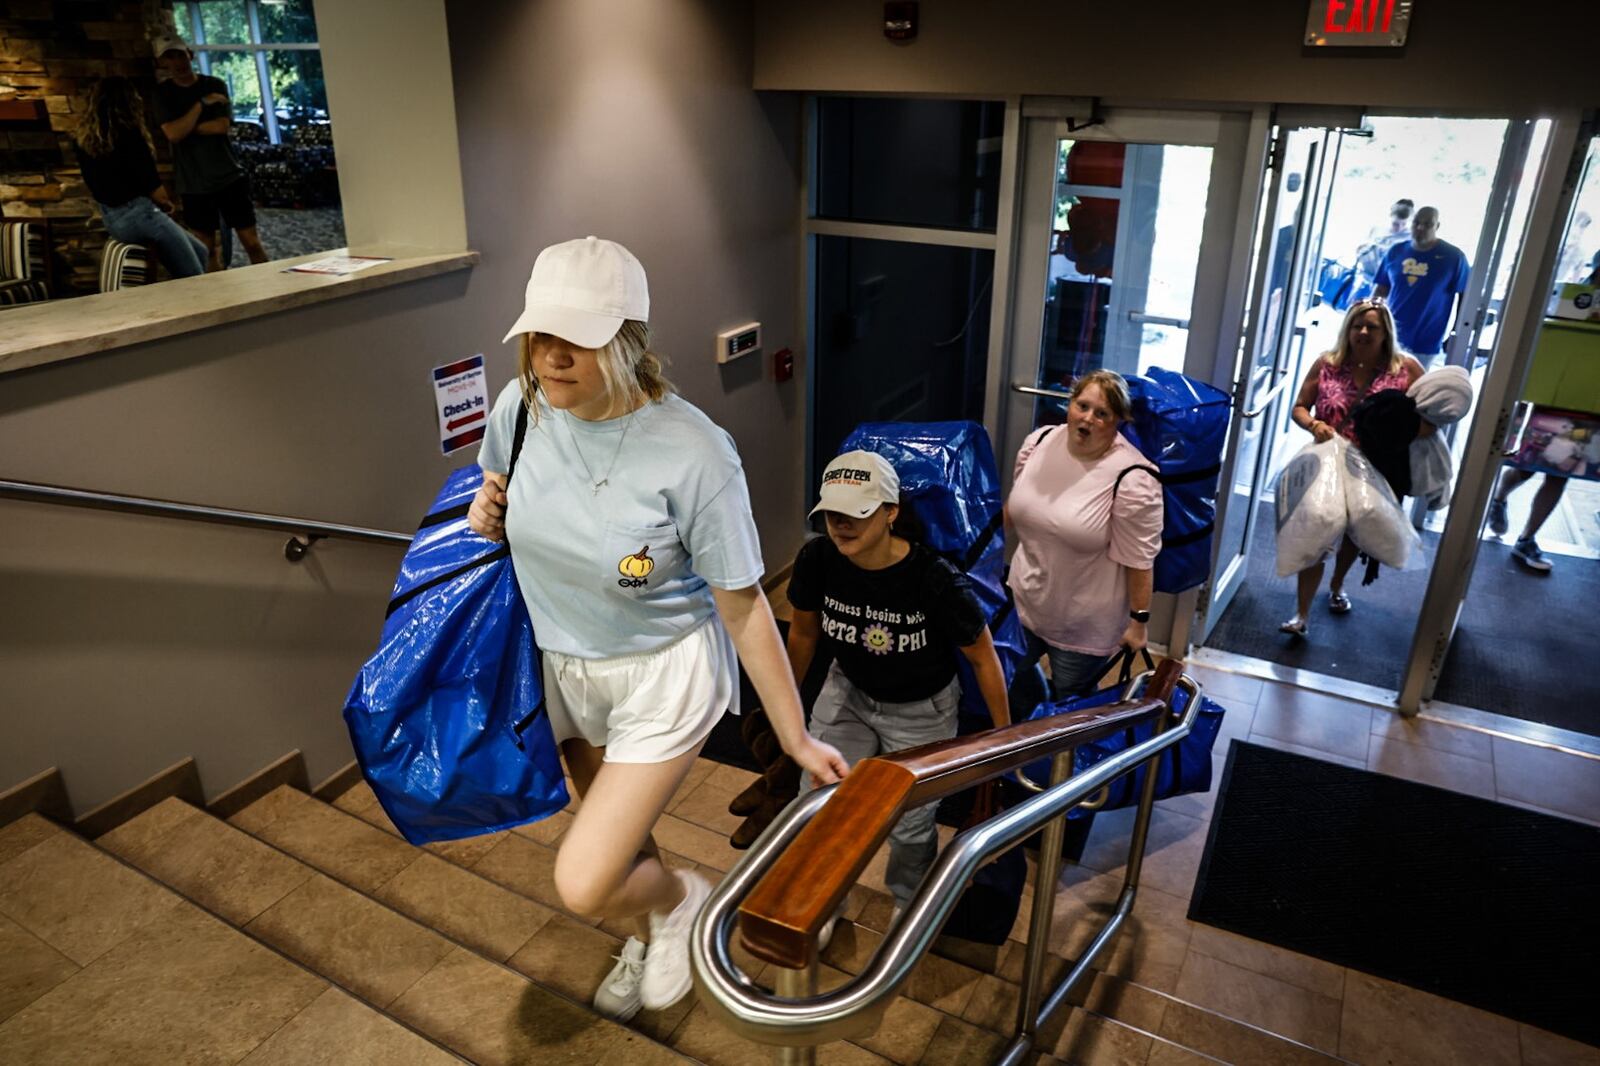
{"points": [[1516, 650], [1468, 899]]}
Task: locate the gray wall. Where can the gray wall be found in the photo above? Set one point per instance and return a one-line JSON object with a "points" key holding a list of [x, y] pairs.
{"points": [[1473, 54], [127, 643]]}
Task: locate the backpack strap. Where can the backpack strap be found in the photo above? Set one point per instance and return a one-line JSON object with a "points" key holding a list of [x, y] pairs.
{"points": [[1117, 484]]}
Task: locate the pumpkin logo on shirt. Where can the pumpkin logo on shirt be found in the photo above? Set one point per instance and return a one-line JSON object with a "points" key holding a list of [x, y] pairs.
{"points": [[877, 640], [636, 568]]}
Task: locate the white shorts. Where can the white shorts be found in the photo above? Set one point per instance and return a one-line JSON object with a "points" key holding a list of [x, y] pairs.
{"points": [[645, 708]]}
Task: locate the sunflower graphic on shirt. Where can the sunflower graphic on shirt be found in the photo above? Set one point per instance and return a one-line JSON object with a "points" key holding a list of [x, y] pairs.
{"points": [[877, 639]]}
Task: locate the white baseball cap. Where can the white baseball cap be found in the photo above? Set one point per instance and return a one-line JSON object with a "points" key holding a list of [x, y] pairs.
{"points": [[170, 42], [582, 291], [858, 483]]}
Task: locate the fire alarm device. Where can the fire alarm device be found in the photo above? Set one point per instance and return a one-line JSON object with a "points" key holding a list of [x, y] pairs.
{"points": [[732, 343], [782, 364], [900, 20]]}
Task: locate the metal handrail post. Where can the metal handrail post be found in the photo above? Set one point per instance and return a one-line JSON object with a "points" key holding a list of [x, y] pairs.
{"points": [[1147, 803], [795, 984], [1047, 874]]}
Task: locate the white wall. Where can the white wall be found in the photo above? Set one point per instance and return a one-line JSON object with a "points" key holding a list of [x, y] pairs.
{"points": [[386, 64]]}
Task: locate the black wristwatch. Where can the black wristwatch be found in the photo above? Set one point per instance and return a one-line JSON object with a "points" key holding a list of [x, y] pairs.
{"points": [[1139, 616]]}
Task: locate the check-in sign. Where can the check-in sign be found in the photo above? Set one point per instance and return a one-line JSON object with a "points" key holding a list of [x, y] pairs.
{"points": [[462, 402], [1358, 23]]}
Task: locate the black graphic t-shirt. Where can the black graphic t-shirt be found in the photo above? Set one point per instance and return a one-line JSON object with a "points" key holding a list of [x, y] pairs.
{"points": [[894, 631]]}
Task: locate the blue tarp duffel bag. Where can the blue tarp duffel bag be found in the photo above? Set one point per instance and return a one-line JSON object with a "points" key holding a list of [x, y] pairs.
{"points": [[1180, 424], [1182, 769], [949, 480], [447, 718]]}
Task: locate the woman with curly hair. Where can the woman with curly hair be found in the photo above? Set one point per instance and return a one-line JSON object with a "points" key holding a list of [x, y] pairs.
{"points": [[119, 166]]}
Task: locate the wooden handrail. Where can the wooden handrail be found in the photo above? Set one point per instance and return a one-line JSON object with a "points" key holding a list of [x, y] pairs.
{"points": [[780, 918]]}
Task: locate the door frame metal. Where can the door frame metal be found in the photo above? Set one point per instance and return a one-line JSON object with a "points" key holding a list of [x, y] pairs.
{"points": [[1238, 142], [1553, 192]]}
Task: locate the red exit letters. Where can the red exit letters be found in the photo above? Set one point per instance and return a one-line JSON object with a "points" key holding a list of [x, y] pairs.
{"points": [[1359, 16]]}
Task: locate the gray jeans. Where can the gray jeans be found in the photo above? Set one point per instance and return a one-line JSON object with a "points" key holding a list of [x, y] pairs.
{"points": [[861, 727]]}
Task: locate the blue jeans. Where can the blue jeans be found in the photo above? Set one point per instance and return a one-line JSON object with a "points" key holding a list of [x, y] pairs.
{"points": [[1071, 672], [140, 221]]}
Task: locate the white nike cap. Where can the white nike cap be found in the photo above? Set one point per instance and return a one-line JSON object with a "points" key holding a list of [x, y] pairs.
{"points": [[858, 483], [582, 291]]}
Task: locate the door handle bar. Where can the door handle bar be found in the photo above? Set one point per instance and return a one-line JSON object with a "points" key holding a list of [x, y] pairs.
{"points": [[1272, 394], [1521, 415], [1029, 390], [1158, 320]]}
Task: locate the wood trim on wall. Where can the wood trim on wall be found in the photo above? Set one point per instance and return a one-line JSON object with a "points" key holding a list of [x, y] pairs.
{"points": [[44, 793], [287, 770], [339, 782], [181, 780]]}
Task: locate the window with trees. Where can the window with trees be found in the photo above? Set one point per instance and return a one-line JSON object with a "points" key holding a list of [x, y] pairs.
{"points": [[266, 51]]}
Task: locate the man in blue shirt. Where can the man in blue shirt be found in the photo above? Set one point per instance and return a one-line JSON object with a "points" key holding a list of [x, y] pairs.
{"points": [[1421, 279]]}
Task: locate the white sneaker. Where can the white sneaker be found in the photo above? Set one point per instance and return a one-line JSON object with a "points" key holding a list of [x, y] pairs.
{"points": [[667, 977], [618, 995]]}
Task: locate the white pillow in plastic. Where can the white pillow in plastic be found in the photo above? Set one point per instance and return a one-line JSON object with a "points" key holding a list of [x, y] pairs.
{"points": [[1310, 505], [1378, 524]]}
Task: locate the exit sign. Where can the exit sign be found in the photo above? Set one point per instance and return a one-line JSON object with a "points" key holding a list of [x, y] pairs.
{"points": [[1358, 23]]}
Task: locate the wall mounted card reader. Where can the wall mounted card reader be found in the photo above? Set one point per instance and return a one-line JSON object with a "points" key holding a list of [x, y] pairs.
{"points": [[733, 343]]}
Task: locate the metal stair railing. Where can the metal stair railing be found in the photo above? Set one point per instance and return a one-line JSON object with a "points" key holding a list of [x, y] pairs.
{"points": [[303, 532], [794, 1017]]}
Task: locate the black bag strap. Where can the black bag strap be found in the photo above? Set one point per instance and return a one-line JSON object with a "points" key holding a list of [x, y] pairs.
{"points": [[1152, 471], [410, 594], [517, 438], [450, 514], [458, 511]]}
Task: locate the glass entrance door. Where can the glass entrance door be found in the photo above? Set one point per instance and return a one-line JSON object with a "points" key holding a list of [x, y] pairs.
{"points": [[1114, 244], [1292, 227]]}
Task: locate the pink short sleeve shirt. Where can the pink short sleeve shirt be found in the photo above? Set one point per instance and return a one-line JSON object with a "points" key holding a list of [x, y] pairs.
{"points": [[1074, 537]]}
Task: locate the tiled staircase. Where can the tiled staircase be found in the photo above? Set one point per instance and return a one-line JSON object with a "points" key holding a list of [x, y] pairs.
{"points": [[300, 931]]}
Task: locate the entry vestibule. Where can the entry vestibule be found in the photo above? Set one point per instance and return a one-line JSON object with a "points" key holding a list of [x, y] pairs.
{"points": [[1178, 238]]}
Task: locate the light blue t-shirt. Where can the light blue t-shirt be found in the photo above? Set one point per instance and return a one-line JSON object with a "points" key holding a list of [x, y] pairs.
{"points": [[624, 570]]}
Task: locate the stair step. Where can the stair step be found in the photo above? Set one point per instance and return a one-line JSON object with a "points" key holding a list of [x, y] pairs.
{"points": [[104, 965], [558, 950], [1118, 1019], [475, 1007]]}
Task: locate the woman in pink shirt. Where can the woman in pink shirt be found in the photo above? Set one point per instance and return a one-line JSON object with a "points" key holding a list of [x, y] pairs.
{"points": [[1086, 509]]}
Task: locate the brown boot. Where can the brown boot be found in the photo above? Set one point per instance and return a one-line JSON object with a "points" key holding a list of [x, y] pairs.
{"points": [[753, 826], [748, 801]]}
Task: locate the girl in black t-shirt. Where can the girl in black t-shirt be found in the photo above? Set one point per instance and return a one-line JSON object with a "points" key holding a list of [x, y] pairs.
{"points": [[894, 614]]}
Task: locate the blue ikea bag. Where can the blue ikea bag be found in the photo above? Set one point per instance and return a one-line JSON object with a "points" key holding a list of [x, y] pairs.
{"points": [[1182, 769], [1180, 425], [949, 480], [447, 718]]}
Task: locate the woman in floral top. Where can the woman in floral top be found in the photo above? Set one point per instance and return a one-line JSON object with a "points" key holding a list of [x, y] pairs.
{"points": [[1367, 361]]}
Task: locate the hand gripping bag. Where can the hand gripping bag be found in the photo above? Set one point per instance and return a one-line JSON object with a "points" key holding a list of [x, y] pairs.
{"points": [[1311, 506], [949, 480], [1180, 425], [447, 718]]}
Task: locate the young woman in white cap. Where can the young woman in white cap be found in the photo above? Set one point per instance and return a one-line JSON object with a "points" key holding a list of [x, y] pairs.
{"points": [[630, 530], [894, 614]]}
